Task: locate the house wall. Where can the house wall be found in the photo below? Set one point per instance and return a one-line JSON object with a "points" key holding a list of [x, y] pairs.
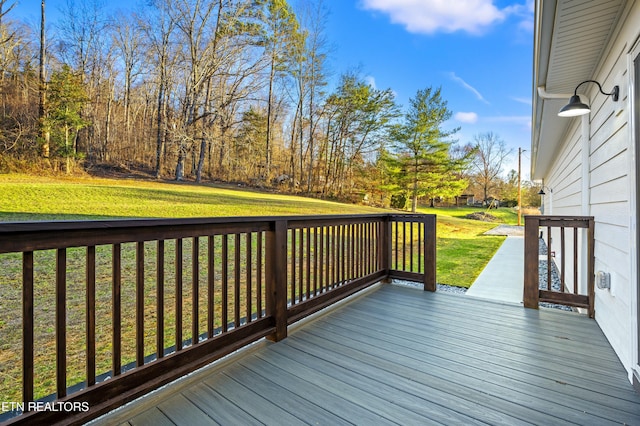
{"points": [[610, 178]]}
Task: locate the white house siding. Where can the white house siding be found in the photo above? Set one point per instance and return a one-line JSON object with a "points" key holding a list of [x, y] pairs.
{"points": [[564, 178], [611, 188]]}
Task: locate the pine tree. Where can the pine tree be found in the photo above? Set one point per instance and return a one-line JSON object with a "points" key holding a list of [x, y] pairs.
{"points": [[66, 98], [421, 165]]}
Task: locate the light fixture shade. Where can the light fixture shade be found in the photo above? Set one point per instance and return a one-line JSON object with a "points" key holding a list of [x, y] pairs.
{"points": [[541, 192], [574, 108]]}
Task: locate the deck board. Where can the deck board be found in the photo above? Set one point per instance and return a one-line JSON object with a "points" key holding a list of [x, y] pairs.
{"points": [[402, 356]]}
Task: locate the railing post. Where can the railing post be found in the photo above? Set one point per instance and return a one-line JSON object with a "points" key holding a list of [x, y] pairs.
{"points": [[591, 267], [430, 253], [276, 278], [531, 292]]}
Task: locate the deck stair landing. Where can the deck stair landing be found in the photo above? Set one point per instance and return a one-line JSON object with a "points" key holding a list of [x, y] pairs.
{"points": [[403, 356]]}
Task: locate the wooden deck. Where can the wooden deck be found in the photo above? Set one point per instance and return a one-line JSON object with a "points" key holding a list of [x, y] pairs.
{"points": [[403, 356]]}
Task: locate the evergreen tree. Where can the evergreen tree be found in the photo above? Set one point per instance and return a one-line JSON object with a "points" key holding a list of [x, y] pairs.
{"points": [[66, 98], [421, 165]]}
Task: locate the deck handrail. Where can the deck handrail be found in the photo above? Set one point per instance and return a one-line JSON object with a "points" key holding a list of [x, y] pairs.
{"points": [[575, 282], [202, 288]]}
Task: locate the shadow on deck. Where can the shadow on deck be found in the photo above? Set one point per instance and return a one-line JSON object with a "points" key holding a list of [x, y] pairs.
{"points": [[396, 355]]}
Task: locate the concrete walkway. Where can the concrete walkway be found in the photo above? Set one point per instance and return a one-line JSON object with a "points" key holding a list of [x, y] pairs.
{"points": [[503, 277]]}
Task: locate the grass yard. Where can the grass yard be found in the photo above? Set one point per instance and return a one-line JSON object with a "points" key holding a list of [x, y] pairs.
{"points": [[462, 249], [32, 198]]}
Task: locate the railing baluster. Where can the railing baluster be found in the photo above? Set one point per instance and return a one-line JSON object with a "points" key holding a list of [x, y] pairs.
{"points": [[354, 254], [236, 282], [61, 322], [116, 310], [563, 255], [160, 299], [334, 256], [396, 239], [248, 262], [27, 326], [308, 264], [140, 304], [211, 275], [362, 257], [91, 315], [549, 261], [419, 226], [301, 266], [575, 261], [225, 283], [411, 224], [321, 261], [404, 245], [370, 246], [342, 255], [259, 255], [315, 261], [195, 292], [327, 255], [179, 269], [293, 264]]}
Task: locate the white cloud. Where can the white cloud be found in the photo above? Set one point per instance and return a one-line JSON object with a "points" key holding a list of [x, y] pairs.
{"points": [[466, 117], [526, 101], [523, 12], [371, 81], [467, 86], [431, 16]]}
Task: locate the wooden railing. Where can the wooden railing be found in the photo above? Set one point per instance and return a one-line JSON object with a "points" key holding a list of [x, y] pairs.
{"points": [[110, 310], [569, 256]]}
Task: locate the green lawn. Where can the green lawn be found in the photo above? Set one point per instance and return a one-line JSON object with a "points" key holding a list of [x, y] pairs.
{"points": [[33, 198], [462, 249], [503, 215]]}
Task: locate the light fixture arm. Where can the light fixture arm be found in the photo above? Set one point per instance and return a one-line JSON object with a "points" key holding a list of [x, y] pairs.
{"points": [[615, 93], [576, 107]]}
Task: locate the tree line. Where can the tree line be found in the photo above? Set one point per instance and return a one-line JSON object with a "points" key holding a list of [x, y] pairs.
{"points": [[217, 90]]}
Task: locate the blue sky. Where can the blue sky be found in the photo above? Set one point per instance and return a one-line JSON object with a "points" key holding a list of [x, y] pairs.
{"points": [[478, 51]]}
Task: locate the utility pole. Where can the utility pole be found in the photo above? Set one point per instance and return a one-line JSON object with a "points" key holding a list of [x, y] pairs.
{"points": [[519, 186]]}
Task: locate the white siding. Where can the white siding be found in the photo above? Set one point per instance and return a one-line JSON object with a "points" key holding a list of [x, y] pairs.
{"points": [[564, 179], [610, 162]]}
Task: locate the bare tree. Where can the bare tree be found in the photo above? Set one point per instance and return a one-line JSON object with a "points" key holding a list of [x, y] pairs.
{"points": [[127, 39], [486, 166]]}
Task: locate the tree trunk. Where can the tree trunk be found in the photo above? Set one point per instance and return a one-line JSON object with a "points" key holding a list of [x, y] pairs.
{"points": [[44, 133], [203, 142]]}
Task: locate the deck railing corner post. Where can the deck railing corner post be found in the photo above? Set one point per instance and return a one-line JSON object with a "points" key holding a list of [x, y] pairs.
{"points": [[430, 252], [531, 293], [276, 278]]}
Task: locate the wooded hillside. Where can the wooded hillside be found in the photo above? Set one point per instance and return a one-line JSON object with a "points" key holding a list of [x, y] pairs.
{"points": [[224, 90]]}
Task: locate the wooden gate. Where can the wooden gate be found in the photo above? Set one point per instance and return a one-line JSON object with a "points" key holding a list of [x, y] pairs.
{"points": [[565, 245]]}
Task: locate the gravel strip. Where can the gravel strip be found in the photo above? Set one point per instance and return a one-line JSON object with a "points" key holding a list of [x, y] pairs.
{"points": [[439, 287], [543, 268]]}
